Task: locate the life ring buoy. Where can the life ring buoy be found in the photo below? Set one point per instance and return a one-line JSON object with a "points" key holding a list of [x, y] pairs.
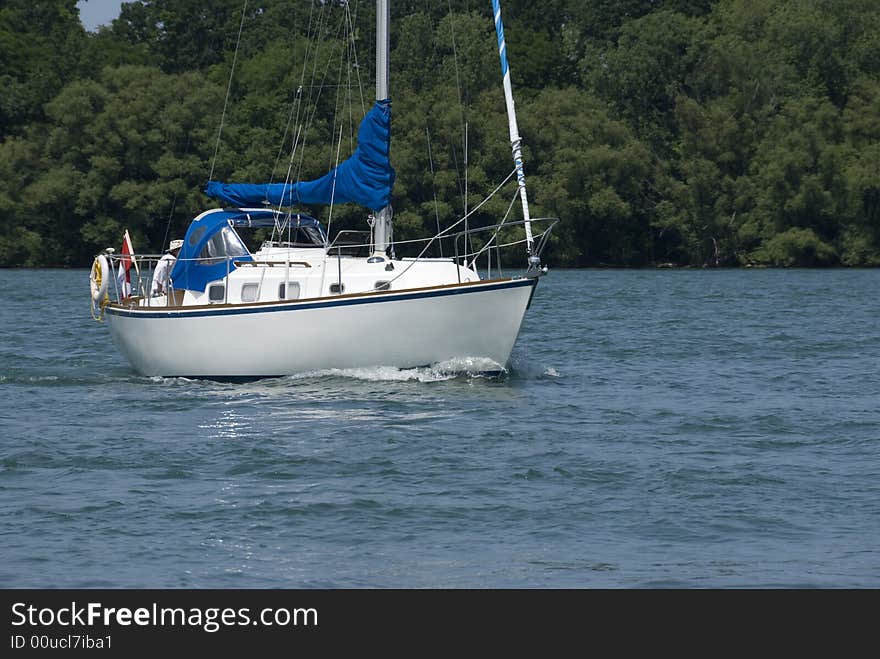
{"points": [[99, 277]]}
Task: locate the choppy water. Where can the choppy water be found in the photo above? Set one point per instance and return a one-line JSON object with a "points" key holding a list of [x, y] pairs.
{"points": [[657, 429]]}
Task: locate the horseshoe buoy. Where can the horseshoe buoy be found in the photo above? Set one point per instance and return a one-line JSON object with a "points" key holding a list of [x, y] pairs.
{"points": [[98, 278]]}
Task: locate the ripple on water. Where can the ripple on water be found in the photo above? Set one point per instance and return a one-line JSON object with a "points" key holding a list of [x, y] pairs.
{"points": [[653, 429]]}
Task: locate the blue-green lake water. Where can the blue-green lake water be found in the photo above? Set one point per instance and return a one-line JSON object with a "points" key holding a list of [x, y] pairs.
{"points": [[693, 429]]}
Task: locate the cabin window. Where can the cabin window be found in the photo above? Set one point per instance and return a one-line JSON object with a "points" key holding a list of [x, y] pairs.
{"points": [[196, 236], [289, 291], [216, 293], [337, 288], [308, 237], [382, 285], [249, 292], [223, 245]]}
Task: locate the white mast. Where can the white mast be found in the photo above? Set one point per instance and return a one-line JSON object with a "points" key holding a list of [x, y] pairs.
{"points": [[515, 139], [382, 229]]}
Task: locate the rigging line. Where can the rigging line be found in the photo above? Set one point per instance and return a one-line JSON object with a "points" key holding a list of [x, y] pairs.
{"points": [[297, 104], [345, 57], [228, 89], [168, 225], [452, 226], [174, 199], [311, 111], [357, 68], [332, 86], [342, 54], [497, 230], [517, 241], [319, 28], [482, 203], [311, 54], [289, 174], [465, 167], [433, 185], [458, 87], [350, 109], [458, 182], [314, 107], [314, 110], [463, 118], [291, 121], [333, 189], [459, 221], [287, 178], [455, 162], [316, 90], [349, 56]]}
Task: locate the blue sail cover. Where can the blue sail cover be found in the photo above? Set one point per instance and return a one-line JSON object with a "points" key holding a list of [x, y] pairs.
{"points": [[365, 178]]}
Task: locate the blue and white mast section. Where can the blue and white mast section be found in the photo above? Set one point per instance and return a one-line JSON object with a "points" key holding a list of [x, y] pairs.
{"points": [[515, 140]]}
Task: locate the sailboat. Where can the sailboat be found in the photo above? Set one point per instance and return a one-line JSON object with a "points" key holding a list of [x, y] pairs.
{"points": [[301, 302]]}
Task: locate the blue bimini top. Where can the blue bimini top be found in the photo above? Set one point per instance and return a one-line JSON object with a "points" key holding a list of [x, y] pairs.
{"points": [[211, 246]]}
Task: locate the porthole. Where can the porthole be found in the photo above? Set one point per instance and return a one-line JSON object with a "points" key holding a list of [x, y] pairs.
{"points": [[249, 292], [289, 291], [217, 293]]}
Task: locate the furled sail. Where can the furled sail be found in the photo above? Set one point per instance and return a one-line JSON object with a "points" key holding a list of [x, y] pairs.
{"points": [[365, 178]]}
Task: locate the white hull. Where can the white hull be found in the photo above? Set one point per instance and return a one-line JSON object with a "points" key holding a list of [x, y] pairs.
{"points": [[404, 329]]}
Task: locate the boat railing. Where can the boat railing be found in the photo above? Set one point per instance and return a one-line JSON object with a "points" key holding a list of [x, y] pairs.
{"points": [[143, 267], [140, 273], [484, 248], [472, 244]]}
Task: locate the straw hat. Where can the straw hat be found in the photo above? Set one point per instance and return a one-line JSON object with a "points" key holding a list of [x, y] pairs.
{"points": [[175, 244]]}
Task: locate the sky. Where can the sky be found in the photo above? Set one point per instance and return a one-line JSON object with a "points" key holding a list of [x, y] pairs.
{"points": [[93, 13]]}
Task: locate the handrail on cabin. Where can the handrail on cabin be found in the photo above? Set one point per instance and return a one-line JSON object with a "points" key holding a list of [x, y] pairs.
{"points": [[254, 263]]}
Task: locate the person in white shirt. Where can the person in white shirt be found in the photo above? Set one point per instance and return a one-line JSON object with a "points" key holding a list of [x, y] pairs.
{"points": [[162, 273]]}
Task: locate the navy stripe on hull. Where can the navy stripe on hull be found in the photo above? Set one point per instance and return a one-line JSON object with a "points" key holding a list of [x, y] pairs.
{"points": [[294, 306]]}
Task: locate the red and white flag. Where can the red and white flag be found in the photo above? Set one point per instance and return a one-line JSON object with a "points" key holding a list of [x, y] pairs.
{"points": [[125, 263]]}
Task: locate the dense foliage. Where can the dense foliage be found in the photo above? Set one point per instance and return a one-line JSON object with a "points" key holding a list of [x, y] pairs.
{"points": [[691, 132]]}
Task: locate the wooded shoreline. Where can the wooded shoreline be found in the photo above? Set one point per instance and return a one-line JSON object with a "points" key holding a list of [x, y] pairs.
{"points": [[697, 133]]}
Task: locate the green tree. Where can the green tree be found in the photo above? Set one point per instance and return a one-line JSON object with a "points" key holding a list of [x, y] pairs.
{"points": [[41, 44], [699, 132], [645, 72]]}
